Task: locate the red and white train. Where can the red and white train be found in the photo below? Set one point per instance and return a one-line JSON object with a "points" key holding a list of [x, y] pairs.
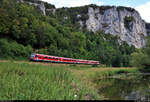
{"points": [[48, 58]]}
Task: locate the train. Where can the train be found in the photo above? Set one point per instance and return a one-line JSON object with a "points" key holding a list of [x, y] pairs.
{"points": [[55, 59]]}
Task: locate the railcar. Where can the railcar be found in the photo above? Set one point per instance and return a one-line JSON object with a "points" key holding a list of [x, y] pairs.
{"points": [[56, 59]]}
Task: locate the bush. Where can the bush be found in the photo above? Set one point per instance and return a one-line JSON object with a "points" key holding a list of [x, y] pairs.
{"points": [[145, 65], [4, 48], [127, 22], [94, 65], [140, 60], [137, 58], [12, 49]]}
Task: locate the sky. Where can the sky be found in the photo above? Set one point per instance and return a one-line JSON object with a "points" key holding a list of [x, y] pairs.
{"points": [[142, 6]]}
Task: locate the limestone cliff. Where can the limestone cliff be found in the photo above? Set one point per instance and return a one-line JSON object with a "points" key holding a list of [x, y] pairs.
{"points": [[123, 22], [43, 6]]}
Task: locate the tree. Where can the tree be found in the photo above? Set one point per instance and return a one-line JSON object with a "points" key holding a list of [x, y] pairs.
{"points": [[137, 58]]}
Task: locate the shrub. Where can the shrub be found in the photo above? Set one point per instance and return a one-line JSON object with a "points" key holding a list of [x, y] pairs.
{"points": [[127, 22], [145, 65], [140, 60], [137, 58], [94, 65], [13, 49]]}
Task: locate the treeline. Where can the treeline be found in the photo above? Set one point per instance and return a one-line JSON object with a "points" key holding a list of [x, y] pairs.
{"points": [[24, 30], [141, 58]]}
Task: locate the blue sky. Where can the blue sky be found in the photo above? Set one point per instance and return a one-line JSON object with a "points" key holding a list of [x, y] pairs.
{"points": [[131, 3], [142, 6]]}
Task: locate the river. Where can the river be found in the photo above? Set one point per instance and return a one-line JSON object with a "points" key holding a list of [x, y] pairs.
{"points": [[130, 87]]}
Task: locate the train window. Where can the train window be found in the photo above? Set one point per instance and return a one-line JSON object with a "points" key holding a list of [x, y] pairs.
{"points": [[39, 56], [45, 57], [66, 59], [32, 55]]}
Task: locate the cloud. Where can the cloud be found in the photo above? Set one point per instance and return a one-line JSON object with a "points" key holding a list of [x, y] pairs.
{"points": [[99, 3], [72, 3], [144, 10]]}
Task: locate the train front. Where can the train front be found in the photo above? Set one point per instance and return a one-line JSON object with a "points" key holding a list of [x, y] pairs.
{"points": [[32, 56]]}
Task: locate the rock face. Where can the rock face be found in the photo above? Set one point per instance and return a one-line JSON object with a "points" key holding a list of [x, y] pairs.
{"points": [[40, 5], [123, 22]]}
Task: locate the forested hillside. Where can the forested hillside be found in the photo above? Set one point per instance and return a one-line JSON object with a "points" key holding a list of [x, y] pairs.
{"points": [[24, 29]]}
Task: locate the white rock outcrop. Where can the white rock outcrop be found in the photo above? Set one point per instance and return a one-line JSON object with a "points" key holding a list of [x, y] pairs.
{"points": [[113, 21], [40, 5]]}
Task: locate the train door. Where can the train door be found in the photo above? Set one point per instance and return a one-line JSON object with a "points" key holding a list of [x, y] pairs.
{"points": [[60, 59]]}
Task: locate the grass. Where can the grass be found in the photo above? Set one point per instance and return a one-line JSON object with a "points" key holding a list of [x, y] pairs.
{"points": [[95, 74], [108, 73], [24, 81]]}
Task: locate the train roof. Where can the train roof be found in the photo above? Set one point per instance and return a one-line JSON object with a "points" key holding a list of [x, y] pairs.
{"points": [[64, 57]]}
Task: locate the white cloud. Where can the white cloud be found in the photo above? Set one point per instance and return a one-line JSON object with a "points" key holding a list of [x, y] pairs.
{"points": [[72, 3], [144, 11], [99, 3]]}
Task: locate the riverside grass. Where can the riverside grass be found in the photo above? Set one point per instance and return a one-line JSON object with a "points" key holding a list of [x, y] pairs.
{"points": [[23, 81], [95, 74], [107, 74]]}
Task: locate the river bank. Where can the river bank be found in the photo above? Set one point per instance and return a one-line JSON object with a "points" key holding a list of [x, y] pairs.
{"points": [[117, 83]]}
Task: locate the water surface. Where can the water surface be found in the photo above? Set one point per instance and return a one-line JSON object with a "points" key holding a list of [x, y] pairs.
{"points": [[127, 88]]}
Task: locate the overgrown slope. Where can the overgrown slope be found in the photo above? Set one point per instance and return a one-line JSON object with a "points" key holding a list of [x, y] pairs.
{"points": [[24, 29]]}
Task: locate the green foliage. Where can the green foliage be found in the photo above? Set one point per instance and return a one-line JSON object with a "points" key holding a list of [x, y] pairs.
{"points": [[129, 19], [128, 22], [13, 49], [147, 47], [73, 14], [146, 62], [137, 58], [121, 8], [108, 73], [94, 65], [141, 58]]}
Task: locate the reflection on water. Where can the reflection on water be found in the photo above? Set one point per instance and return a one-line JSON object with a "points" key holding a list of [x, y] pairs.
{"points": [[136, 88]]}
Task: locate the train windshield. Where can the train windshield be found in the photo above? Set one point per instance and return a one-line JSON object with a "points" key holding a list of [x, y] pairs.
{"points": [[32, 55]]}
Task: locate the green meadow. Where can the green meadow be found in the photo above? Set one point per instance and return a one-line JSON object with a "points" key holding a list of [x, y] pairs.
{"points": [[37, 81], [23, 81]]}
